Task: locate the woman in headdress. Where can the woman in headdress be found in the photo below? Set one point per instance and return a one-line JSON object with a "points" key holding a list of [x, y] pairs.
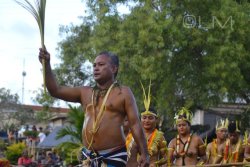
{"points": [[186, 148], [213, 151], [157, 145], [234, 150]]}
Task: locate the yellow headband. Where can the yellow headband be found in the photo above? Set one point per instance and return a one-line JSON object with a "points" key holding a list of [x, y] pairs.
{"points": [[183, 115], [148, 113], [147, 100], [222, 124]]}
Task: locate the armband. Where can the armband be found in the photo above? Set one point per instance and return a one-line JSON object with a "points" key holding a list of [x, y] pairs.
{"points": [[163, 149], [200, 163], [171, 148], [203, 145], [160, 162]]}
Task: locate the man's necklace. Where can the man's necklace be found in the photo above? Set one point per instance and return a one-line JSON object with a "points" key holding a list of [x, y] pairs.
{"points": [[101, 92]]}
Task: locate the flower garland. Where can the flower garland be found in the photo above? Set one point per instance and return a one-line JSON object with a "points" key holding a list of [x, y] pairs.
{"points": [[232, 155], [185, 145], [129, 139], [129, 143], [151, 139]]}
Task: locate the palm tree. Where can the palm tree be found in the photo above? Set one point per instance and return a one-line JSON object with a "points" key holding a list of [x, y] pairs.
{"points": [[72, 149]]}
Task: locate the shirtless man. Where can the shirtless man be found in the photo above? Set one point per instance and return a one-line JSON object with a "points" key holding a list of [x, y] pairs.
{"points": [[214, 153], [233, 151], [106, 106]]}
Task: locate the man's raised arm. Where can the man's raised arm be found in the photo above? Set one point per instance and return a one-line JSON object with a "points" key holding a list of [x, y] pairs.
{"points": [[55, 90]]}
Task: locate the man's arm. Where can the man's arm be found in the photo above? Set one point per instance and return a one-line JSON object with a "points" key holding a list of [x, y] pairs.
{"points": [[61, 92], [136, 127], [171, 149], [208, 152], [163, 152], [201, 151]]}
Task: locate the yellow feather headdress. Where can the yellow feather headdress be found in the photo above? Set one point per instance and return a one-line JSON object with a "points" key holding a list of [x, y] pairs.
{"points": [[147, 100], [183, 115], [222, 124]]}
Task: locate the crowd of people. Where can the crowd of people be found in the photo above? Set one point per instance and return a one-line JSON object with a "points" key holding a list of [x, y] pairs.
{"points": [[111, 111], [45, 159]]}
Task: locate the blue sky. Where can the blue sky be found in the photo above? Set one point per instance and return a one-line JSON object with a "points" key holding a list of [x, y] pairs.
{"points": [[20, 41]]}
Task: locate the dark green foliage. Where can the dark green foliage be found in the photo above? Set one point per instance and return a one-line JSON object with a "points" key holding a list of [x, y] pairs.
{"points": [[195, 52]]}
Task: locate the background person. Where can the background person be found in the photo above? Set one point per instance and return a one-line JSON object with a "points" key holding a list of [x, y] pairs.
{"points": [[25, 160], [41, 135], [233, 151], [187, 148], [214, 148]]}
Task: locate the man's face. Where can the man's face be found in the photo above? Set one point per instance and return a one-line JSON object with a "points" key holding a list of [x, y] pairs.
{"points": [[103, 69], [221, 133], [234, 137]]}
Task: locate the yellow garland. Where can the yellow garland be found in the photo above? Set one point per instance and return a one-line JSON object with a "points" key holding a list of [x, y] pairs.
{"points": [[214, 148], [96, 123], [129, 143]]}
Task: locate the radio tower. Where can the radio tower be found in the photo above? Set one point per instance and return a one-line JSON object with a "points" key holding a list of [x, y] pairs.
{"points": [[23, 74]]}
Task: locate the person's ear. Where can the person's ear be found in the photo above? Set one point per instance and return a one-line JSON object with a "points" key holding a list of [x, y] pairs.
{"points": [[114, 69]]}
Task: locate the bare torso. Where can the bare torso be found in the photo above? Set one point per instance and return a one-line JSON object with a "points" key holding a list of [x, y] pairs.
{"points": [[215, 152], [193, 152], [110, 125]]}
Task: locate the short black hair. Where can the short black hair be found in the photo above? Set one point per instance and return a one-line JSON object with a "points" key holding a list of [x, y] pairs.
{"points": [[232, 127], [113, 57]]}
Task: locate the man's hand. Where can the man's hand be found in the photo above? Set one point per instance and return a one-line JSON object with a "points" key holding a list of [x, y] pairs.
{"points": [[44, 55], [144, 161]]}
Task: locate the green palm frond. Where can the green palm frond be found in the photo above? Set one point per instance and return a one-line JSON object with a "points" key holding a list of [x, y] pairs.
{"points": [[76, 118], [38, 12], [69, 130]]}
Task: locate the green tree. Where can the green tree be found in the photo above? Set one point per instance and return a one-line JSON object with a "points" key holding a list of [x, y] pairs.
{"points": [[8, 102], [12, 113], [195, 52]]}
